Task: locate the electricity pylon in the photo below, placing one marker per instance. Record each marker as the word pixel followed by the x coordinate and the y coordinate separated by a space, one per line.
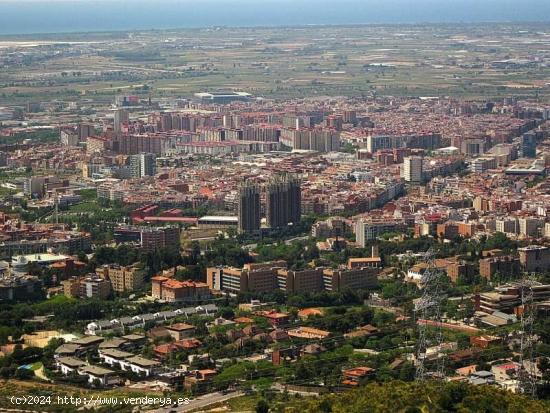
pixel 428 318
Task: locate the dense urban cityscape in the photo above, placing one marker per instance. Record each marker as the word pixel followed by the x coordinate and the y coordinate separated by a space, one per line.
pixel 322 219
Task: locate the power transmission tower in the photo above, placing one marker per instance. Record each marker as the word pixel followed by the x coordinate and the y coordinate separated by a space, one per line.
pixel 526 374
pixel 428 319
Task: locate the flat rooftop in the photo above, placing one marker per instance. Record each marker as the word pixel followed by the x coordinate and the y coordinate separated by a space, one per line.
pixel 220 218
pixel 42 258
pixel 221 94
pixel 96 371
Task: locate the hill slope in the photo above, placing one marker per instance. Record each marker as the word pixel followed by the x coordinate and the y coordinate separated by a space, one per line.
pixel 401 397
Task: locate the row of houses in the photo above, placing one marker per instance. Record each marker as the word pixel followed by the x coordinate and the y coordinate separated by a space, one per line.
pixel 116 357
pixel 124 324
pixel 95 374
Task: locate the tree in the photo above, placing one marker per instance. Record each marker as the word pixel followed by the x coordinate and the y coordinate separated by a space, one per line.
pixel 397 396
pixel 24 374
pixel 463 340
pixel 325 406
pixel 53 344
pixel 468 309
pixel 452 309
pixel 499 241
pixel 384 373
pixel 7 372
pixel 302 372
pixel 262 406
pixel 407 372
pixel 226 312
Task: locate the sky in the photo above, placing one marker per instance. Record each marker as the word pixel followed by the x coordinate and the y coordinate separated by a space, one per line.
pixel 51 16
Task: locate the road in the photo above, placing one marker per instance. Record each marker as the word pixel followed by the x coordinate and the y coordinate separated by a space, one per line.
pixel 200 402
pixel 290 241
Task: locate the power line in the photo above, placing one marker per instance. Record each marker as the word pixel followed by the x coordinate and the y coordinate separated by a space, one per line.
pixel 526 374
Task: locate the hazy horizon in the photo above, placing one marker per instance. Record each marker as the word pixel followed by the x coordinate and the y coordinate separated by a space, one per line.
pixel 63 16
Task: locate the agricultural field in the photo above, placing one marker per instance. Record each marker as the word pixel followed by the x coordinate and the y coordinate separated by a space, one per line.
pixel 464 61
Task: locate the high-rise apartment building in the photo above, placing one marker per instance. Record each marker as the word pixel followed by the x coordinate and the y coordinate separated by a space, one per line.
pixel 529 227
pixel 94 287
pixel 84 130
pixel 160 238
pixel 68 138
pixel 147 164
pixel 413 169
pixel 535 258
pixel 318 139
pixel 528 145
pixel 143 164
pixel 425 141
pixel 473 147
pixel 122 279
pixel 480 165
pixel 505 265
pixel 133 144
pixel 367 230
pixel 283 201
pixel 121 117
pixel 507 225
pixel 249 208
pixel 4 157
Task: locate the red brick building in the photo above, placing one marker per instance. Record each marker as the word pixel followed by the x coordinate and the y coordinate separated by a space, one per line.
pixel 171 290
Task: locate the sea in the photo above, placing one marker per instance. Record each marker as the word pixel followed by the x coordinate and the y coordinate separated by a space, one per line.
pixel 18 17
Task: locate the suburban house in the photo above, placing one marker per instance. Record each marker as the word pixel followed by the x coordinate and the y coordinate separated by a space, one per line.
pixel 114 357
pixel 199 379
pixel 88 342
pixel 308 332
pixel 140 365
pixel 356 375
pixel 69 365
pixel 104 376
pixel 180 331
